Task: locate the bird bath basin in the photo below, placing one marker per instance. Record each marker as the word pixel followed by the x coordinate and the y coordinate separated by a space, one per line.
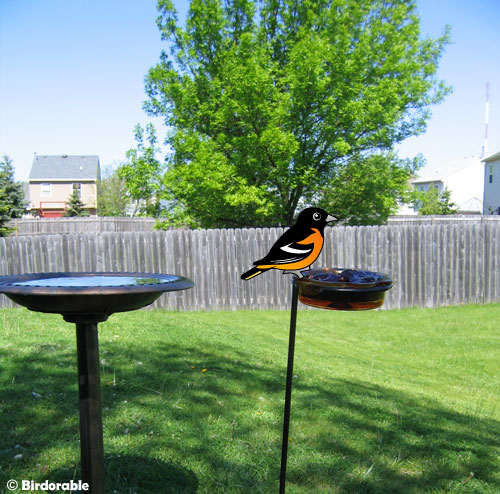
pixel 87 299
pixel 88 295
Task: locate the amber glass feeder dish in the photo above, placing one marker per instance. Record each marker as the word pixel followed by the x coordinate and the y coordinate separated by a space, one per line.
pixel 343 289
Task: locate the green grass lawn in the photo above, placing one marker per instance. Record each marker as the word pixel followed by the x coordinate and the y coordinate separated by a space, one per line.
pixel 383 401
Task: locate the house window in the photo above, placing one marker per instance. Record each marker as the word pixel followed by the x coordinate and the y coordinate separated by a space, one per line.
pixel 46 190
pixel 491 179
pixel 78 187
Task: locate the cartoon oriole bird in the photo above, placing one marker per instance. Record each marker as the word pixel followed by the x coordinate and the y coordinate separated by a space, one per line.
pixel 298 247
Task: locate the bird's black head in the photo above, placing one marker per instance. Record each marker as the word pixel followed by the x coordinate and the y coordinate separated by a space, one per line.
pixel 314 217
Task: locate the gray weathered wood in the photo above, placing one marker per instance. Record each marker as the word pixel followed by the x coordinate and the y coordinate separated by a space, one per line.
pixel 445 263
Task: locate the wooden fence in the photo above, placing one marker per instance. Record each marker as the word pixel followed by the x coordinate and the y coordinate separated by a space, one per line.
pixel 54 226
pixel 442 219
pixel 431 265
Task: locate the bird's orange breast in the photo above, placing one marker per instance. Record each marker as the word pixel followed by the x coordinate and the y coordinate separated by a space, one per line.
pixel 317 240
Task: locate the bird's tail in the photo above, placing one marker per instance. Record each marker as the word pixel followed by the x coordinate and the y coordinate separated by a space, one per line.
pixel 251 273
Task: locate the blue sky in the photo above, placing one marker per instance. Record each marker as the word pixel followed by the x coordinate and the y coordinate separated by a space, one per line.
pixel 71 77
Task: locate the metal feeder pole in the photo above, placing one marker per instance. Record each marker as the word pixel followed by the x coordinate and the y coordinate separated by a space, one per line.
pixel 288 392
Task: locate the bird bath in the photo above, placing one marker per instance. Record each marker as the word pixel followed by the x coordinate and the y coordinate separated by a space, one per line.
pixel 87 299
pixel 327 288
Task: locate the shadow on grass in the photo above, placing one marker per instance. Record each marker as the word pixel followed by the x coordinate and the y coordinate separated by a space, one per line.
pixel 132 473
pixel 167 425
pixel 383 440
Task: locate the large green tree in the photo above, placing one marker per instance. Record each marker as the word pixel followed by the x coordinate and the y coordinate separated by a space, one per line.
pixel 267 101
pixel 366 191
pixel 142 173
pixel 12 199
pixel 111 194
pixel 433 202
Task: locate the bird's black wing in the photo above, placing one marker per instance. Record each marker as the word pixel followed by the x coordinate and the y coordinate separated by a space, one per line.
pixel 287 249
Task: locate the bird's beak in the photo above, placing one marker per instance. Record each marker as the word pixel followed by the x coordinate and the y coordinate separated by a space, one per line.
pixel 330 218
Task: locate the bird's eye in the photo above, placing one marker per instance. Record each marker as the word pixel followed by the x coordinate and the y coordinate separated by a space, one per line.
pixel 316 216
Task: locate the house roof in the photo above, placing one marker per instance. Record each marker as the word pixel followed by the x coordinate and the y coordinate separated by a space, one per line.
pixel 492 157
pixel 436 173
pixel 64 167
pixel 473 204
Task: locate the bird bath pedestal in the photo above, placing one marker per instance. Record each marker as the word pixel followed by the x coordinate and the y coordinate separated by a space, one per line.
pixel 334 289
pixel 87 299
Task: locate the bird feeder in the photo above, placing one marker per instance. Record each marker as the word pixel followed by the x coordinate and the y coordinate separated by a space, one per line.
pixel 334 289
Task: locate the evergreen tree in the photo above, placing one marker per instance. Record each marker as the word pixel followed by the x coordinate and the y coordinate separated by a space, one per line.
pixel 12 200
pixel 76 205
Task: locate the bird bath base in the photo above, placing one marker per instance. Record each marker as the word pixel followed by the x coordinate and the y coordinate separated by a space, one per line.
pixel 87 299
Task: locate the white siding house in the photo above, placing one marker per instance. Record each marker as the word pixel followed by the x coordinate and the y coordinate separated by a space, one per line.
pixel 463 177
pixel 492 184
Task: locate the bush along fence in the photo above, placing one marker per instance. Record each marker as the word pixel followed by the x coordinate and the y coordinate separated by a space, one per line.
pixel 431 265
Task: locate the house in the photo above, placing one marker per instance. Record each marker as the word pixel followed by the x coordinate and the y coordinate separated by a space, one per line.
pixel 492 184
pixel 463 177
pixel 54 178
